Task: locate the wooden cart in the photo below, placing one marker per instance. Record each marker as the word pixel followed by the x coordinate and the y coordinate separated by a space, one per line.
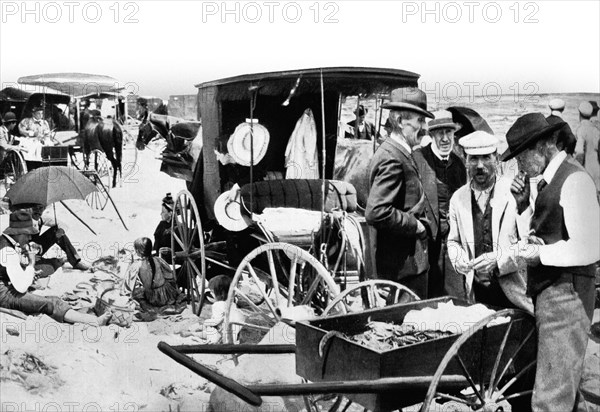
pixel 485 368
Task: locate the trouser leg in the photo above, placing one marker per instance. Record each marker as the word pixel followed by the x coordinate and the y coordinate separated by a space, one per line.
pixel 53 236
pixel 562 324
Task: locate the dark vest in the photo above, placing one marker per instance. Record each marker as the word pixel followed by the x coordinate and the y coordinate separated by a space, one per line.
pixel 482 231
pixel 549 224
pixel 4 242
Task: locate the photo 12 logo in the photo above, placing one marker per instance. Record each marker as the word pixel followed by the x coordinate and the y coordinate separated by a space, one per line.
pixel 68 11
pixel 269 12
pixel 469 11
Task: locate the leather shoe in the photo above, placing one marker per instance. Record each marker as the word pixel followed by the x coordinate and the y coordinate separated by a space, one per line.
pixel 81 265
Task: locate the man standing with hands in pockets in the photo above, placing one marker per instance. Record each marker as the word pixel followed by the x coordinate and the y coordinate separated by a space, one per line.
pixel 561 251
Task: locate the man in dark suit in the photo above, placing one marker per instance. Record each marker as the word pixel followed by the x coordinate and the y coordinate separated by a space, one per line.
pixel 442 173
pixel 560 255
pixel 397 208
pixel 360 128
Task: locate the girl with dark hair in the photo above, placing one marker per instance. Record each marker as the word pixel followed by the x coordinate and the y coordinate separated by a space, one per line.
pixel 150 278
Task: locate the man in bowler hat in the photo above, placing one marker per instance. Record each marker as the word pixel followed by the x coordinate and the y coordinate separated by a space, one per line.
pixel 397 208
pixel 561 252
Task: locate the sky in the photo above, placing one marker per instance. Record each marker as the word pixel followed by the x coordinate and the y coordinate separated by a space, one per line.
pixel 163 48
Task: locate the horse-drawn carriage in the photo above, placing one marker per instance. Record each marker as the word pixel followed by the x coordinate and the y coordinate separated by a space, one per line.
pixel 302 238
pixel 101 159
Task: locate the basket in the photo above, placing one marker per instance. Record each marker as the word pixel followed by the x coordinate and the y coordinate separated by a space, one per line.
pixel 121 315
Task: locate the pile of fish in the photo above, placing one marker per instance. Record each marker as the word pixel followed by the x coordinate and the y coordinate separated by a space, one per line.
pixel 383 336
pixel 423 325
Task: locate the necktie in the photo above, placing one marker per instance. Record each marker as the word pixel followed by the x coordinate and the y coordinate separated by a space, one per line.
pixel 541 185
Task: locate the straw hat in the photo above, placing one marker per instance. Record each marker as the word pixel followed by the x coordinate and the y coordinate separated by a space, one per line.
pixel 238 144
pixel 228 211
pixel 442 120
pixel 479 143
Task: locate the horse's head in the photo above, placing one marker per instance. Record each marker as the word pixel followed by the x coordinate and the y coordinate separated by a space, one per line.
pixel 145 134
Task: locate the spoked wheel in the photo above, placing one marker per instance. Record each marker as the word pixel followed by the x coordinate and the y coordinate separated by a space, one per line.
pixel 13 167
pixel 307 282
pixel 102 166
pixel 498 361
pixel 97 200
pixel 187 242
pixel 368 295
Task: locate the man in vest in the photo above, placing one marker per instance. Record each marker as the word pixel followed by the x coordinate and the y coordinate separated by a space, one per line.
pixel 560 253
pixel 442 173
pixel 483 226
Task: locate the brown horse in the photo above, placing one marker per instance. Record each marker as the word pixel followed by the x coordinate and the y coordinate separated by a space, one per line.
pixel 106 136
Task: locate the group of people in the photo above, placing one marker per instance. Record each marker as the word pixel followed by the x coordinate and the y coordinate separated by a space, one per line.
pixel 531 241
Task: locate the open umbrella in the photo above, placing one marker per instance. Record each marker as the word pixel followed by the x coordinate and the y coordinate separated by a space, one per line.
pixel 51 184
pixel 47 185
pixel 469 119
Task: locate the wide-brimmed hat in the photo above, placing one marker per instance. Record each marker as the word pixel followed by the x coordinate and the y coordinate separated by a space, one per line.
pixel 479 143
pixel 228 211
pixel 442 120
pixel 239 144
pixel 21 223
pixel 408 98
pixel 9 117
pixel 527 130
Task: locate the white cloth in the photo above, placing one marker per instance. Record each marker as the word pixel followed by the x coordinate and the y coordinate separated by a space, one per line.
pixel 582 219
pixel 301 160
pixel 34 149
pixel 21 278
pixel 586 149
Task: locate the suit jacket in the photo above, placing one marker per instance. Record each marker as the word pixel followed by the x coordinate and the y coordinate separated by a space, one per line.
pixel 424 158
pixel 369 130
pixel 461 243
pixel 396 201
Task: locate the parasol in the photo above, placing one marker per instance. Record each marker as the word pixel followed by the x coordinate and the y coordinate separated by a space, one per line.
pixel 74 84
pixel 51 184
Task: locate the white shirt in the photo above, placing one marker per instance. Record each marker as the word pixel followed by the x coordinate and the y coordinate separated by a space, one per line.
pixel 398 138
pixel 482 196
pixel 581 214
pixel 10 258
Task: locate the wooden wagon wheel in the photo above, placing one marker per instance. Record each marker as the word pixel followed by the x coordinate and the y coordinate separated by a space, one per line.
pixel 187 244
pixel 375 293
pixel 308 282
pixel 13 167
pixel 494 378
pixel 100 173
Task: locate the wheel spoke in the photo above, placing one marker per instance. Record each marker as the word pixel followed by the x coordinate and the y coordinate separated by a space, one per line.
pixel 492 386
pixel 514 379
pixel 292 285
pixel 514 395
pixel 482 348
pixel 265 296
pixel 273 277
pixel 311 291
pixel 513 357
pixel 456 399
pixel 178 241
pixel 253 305
pixel 469 378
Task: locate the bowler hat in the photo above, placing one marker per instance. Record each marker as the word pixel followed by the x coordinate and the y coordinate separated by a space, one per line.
pixel 21 223
pixel 9 117
pixel 526 131
pixel 408 98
